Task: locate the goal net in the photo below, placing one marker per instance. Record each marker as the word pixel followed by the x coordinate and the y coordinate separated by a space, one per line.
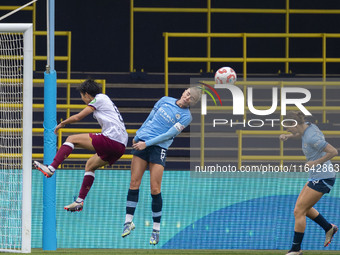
pixel 15 137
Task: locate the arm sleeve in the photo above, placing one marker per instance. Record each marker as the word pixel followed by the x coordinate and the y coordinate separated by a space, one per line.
pixel 172 132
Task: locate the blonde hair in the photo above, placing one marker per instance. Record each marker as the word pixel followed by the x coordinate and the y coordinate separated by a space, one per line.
pixel 196 95
pixel 298 116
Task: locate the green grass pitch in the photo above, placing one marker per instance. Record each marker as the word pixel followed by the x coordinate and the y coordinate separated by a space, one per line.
pixel 176 252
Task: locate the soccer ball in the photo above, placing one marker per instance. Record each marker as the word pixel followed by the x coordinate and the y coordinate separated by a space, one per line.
pixel 225 75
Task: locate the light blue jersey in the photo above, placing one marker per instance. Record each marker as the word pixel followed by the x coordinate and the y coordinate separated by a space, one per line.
pixel 165 122
pixel 313 144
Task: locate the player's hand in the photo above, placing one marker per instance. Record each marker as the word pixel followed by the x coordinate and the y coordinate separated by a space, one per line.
pixel 133 141
pixel 58 127
pixel 139 146
pixel 283 137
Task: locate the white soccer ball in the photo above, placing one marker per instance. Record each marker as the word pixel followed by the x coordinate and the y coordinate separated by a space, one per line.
pixel 225 75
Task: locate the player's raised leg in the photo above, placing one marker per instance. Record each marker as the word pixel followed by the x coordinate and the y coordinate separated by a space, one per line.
pixel 156 174
pixel 79 140
pixel 91 165
pixel 138 166
pixel 330 229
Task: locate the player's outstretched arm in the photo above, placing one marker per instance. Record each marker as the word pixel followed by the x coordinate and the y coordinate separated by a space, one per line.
pixel 285 137
pixel 75 118
pixel 172 132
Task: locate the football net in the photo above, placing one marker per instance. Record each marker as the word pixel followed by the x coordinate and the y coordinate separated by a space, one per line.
pixel 15 137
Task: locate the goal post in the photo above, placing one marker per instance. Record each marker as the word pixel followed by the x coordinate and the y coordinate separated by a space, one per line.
pixel 16 61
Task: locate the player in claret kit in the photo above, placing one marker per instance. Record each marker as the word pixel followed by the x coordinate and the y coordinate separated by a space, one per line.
pixel 321 178
pixel 108 145
pixel 167 120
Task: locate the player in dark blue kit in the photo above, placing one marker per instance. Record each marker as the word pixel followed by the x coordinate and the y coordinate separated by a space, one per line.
pixel 321 178
pixel 167 120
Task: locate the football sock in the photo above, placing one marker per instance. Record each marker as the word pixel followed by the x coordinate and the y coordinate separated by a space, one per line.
pixel 131 204
pixel 64 151
pixel 322 222
pixel 297 240
pixel 87 183
pixel 157 203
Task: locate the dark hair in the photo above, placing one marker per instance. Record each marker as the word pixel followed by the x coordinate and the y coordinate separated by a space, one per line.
pixel 296 115
pixel 90 86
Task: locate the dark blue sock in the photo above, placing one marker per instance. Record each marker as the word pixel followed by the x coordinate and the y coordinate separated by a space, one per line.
pixel 132 200
pixel 156 207
pixel 322 222
pixel 297 240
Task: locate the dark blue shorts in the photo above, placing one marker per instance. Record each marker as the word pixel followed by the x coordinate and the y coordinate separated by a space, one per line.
pixel 323 185
pixel 152 154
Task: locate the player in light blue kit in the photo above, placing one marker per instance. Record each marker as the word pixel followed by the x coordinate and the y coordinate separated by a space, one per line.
pixel 167 120
pixel 321 178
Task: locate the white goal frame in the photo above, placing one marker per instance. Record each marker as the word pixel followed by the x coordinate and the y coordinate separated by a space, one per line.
pixel 27 30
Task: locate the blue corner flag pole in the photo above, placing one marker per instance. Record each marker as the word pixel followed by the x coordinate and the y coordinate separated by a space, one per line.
pixel 50 139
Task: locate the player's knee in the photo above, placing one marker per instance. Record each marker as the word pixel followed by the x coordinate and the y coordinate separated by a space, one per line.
pixel 89 168
pixel 70 139
pixel 298 211
pixel 135 183
pixel 155 189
